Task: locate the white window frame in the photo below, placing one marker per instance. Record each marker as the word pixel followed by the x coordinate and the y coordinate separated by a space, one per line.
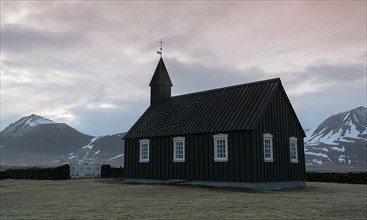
pixel 143 142
pixel 293 140
pixel 216 138
pixel 177 140
pixel 268 137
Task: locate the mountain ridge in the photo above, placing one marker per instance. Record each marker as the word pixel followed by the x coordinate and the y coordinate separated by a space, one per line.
pixel 338 142
pixel 34 140
pixel 345 125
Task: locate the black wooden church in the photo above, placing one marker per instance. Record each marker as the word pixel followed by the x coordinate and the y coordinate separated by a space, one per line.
pixel 245 135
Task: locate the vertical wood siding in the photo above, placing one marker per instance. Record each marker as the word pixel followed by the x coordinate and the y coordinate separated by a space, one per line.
pixel 279 121
pixel 199 159
pixel 159 94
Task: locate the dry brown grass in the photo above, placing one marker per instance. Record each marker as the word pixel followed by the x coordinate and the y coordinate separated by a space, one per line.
pixel 108 199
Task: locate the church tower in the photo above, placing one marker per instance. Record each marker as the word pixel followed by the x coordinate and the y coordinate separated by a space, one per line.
pixel 160 85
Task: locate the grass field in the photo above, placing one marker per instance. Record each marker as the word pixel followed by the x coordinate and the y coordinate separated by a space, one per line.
pixel 111 199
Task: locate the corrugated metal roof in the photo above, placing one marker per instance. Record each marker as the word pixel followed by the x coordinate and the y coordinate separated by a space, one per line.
pixel 219 110
pixel 161 76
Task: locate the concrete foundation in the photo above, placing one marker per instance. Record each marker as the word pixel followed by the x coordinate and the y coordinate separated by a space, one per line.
pixel 256 186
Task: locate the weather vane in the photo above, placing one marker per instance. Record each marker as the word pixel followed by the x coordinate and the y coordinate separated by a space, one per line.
pixel 160 51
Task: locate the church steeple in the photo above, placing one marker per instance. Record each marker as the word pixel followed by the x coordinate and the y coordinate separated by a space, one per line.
pixel 160 85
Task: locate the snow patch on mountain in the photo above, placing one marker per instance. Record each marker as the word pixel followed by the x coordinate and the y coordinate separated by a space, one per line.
pixel 72 157
pixel 342 149
pixel 38 120
pixel 113 158
pixel 317 161
pixel 28 121
pixel 316 154
pixel 91 144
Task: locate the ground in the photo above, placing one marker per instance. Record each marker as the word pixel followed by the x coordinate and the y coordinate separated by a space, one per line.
pixel 112 199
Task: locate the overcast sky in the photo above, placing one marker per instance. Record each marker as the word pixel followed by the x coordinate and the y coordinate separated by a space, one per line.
pixel 89 63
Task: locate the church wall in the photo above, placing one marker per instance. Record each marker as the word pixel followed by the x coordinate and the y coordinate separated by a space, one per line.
pixel 199 159
pixel 280 121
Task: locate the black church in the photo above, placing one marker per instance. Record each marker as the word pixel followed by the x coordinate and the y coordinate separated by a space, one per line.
pixel 246 135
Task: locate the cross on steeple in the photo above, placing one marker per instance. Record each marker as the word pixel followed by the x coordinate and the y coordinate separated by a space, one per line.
pixel 161 50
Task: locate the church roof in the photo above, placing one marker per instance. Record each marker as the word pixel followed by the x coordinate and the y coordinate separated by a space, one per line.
pixel 220 110
pixel 160 76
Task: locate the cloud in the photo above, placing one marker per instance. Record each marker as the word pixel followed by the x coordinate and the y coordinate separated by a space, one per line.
pixel 21 39
pixel 338 73
pixel 188 78
pixel 324 89
pixel 322 76
pixel 86 62
pixel 97 120
pixel 313 108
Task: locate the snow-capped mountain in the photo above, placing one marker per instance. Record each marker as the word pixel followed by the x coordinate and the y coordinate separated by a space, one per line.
pixel 25 124
pixel 35 141
pixel 339 142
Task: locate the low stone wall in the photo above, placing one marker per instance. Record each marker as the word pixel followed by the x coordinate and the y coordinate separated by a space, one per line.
pixel 63 172
pixel 355 178
pixel 56 173
pixel 111 172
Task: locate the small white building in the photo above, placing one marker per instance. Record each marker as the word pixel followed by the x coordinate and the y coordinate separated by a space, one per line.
pixel 85 166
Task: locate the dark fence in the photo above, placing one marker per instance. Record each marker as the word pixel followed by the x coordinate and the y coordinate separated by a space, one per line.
pixel 56 173
pixel 355 178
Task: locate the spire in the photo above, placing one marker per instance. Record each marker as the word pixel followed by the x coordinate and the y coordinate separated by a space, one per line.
pixel 160 85
pixel 160 76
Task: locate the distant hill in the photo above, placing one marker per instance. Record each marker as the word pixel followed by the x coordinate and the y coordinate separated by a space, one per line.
pixel 37 141
pixel 108 150
pixel 339 142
